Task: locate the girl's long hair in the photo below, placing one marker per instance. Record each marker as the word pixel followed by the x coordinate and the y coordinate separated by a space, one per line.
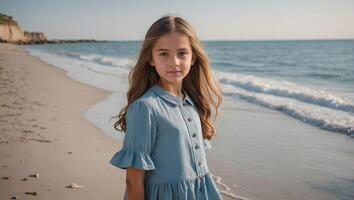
pixel 200 84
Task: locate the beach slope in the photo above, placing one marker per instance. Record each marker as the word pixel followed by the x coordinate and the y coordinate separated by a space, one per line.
pixel 46 144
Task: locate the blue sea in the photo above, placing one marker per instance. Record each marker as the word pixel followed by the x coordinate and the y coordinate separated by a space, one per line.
pixel 308 81
pixel 312 81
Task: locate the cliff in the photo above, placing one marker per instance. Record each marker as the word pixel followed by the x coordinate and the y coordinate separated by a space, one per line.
pixel 10 32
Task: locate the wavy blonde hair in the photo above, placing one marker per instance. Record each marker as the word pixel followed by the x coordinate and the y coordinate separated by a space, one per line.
pixel 200 85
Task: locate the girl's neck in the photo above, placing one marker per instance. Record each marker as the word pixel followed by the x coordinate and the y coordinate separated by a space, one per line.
pixel 175 89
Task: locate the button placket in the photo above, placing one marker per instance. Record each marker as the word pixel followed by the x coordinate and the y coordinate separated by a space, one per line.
pixel 197 149
pixel 194 140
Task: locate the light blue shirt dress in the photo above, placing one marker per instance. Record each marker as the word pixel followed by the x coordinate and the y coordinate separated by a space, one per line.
pixel 164 137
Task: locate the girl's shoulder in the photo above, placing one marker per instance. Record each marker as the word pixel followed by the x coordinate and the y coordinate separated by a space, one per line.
pixel 145 102
pixel 148 98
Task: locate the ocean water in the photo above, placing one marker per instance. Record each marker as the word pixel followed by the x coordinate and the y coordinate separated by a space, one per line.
pixel 307 82
pixel 312 81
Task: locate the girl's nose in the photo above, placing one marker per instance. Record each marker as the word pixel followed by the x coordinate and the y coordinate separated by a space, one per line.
pixel 175 61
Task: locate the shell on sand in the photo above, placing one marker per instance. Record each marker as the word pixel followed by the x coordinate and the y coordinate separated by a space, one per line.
pixel 36 175
pixel 75 186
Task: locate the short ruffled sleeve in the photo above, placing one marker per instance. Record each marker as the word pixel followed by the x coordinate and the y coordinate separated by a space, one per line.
pixel 139 138
pixel 207 144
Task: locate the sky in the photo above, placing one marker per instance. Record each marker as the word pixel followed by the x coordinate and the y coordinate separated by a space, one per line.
pixel 212 20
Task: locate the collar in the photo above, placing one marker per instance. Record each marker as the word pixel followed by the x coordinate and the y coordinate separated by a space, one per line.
pixel 170 97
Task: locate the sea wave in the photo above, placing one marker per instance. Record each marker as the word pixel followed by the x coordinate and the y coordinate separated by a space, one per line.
pixel 286 89
pixel 316 107
pixel 121 62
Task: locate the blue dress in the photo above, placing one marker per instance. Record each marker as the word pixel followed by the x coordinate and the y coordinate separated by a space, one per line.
pixel 164 137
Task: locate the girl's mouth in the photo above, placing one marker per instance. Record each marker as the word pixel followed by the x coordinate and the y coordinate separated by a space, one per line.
pixel 175 71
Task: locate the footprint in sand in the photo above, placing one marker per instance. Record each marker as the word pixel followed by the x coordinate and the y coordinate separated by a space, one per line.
pixel 32 193
pixel 5 106
pixel 41 140
pixel 27 131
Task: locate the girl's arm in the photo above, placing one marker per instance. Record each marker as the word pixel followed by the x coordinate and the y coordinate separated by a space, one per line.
pixel 135 183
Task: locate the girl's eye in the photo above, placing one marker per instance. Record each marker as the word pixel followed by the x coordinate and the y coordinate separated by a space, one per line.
pixel 182 53
pixel 163 54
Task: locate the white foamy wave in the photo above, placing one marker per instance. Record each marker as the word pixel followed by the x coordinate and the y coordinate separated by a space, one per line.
pixel 87 61
pixel 320 116
pixel 286 89
pixel 226 189
pixel 91 73
pixel 106 60
pixel 121 62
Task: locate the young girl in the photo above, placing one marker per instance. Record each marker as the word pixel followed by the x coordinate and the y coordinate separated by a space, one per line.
pixel 167 120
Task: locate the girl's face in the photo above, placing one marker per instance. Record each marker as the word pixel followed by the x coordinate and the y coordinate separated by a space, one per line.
pixel 172 58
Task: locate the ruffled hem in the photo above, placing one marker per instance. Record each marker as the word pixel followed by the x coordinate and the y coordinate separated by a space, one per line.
pixel 126 158
pixel 202 187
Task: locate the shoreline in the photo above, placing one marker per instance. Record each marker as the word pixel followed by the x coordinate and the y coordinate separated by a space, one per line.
pixel 258 151
pixel 43 131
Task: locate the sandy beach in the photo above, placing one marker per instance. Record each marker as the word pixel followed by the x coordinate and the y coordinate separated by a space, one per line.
pixel 43 132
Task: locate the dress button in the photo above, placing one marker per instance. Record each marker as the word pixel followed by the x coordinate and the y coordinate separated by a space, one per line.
pixel 196 147
pixel 199 163
pixel 194 135
pixel 189 119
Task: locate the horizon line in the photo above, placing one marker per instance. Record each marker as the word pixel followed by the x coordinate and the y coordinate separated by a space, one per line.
pixel 217 40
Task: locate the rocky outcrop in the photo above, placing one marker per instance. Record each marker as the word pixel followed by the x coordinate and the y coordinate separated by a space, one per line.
pixel 35 37
pixel 10 32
